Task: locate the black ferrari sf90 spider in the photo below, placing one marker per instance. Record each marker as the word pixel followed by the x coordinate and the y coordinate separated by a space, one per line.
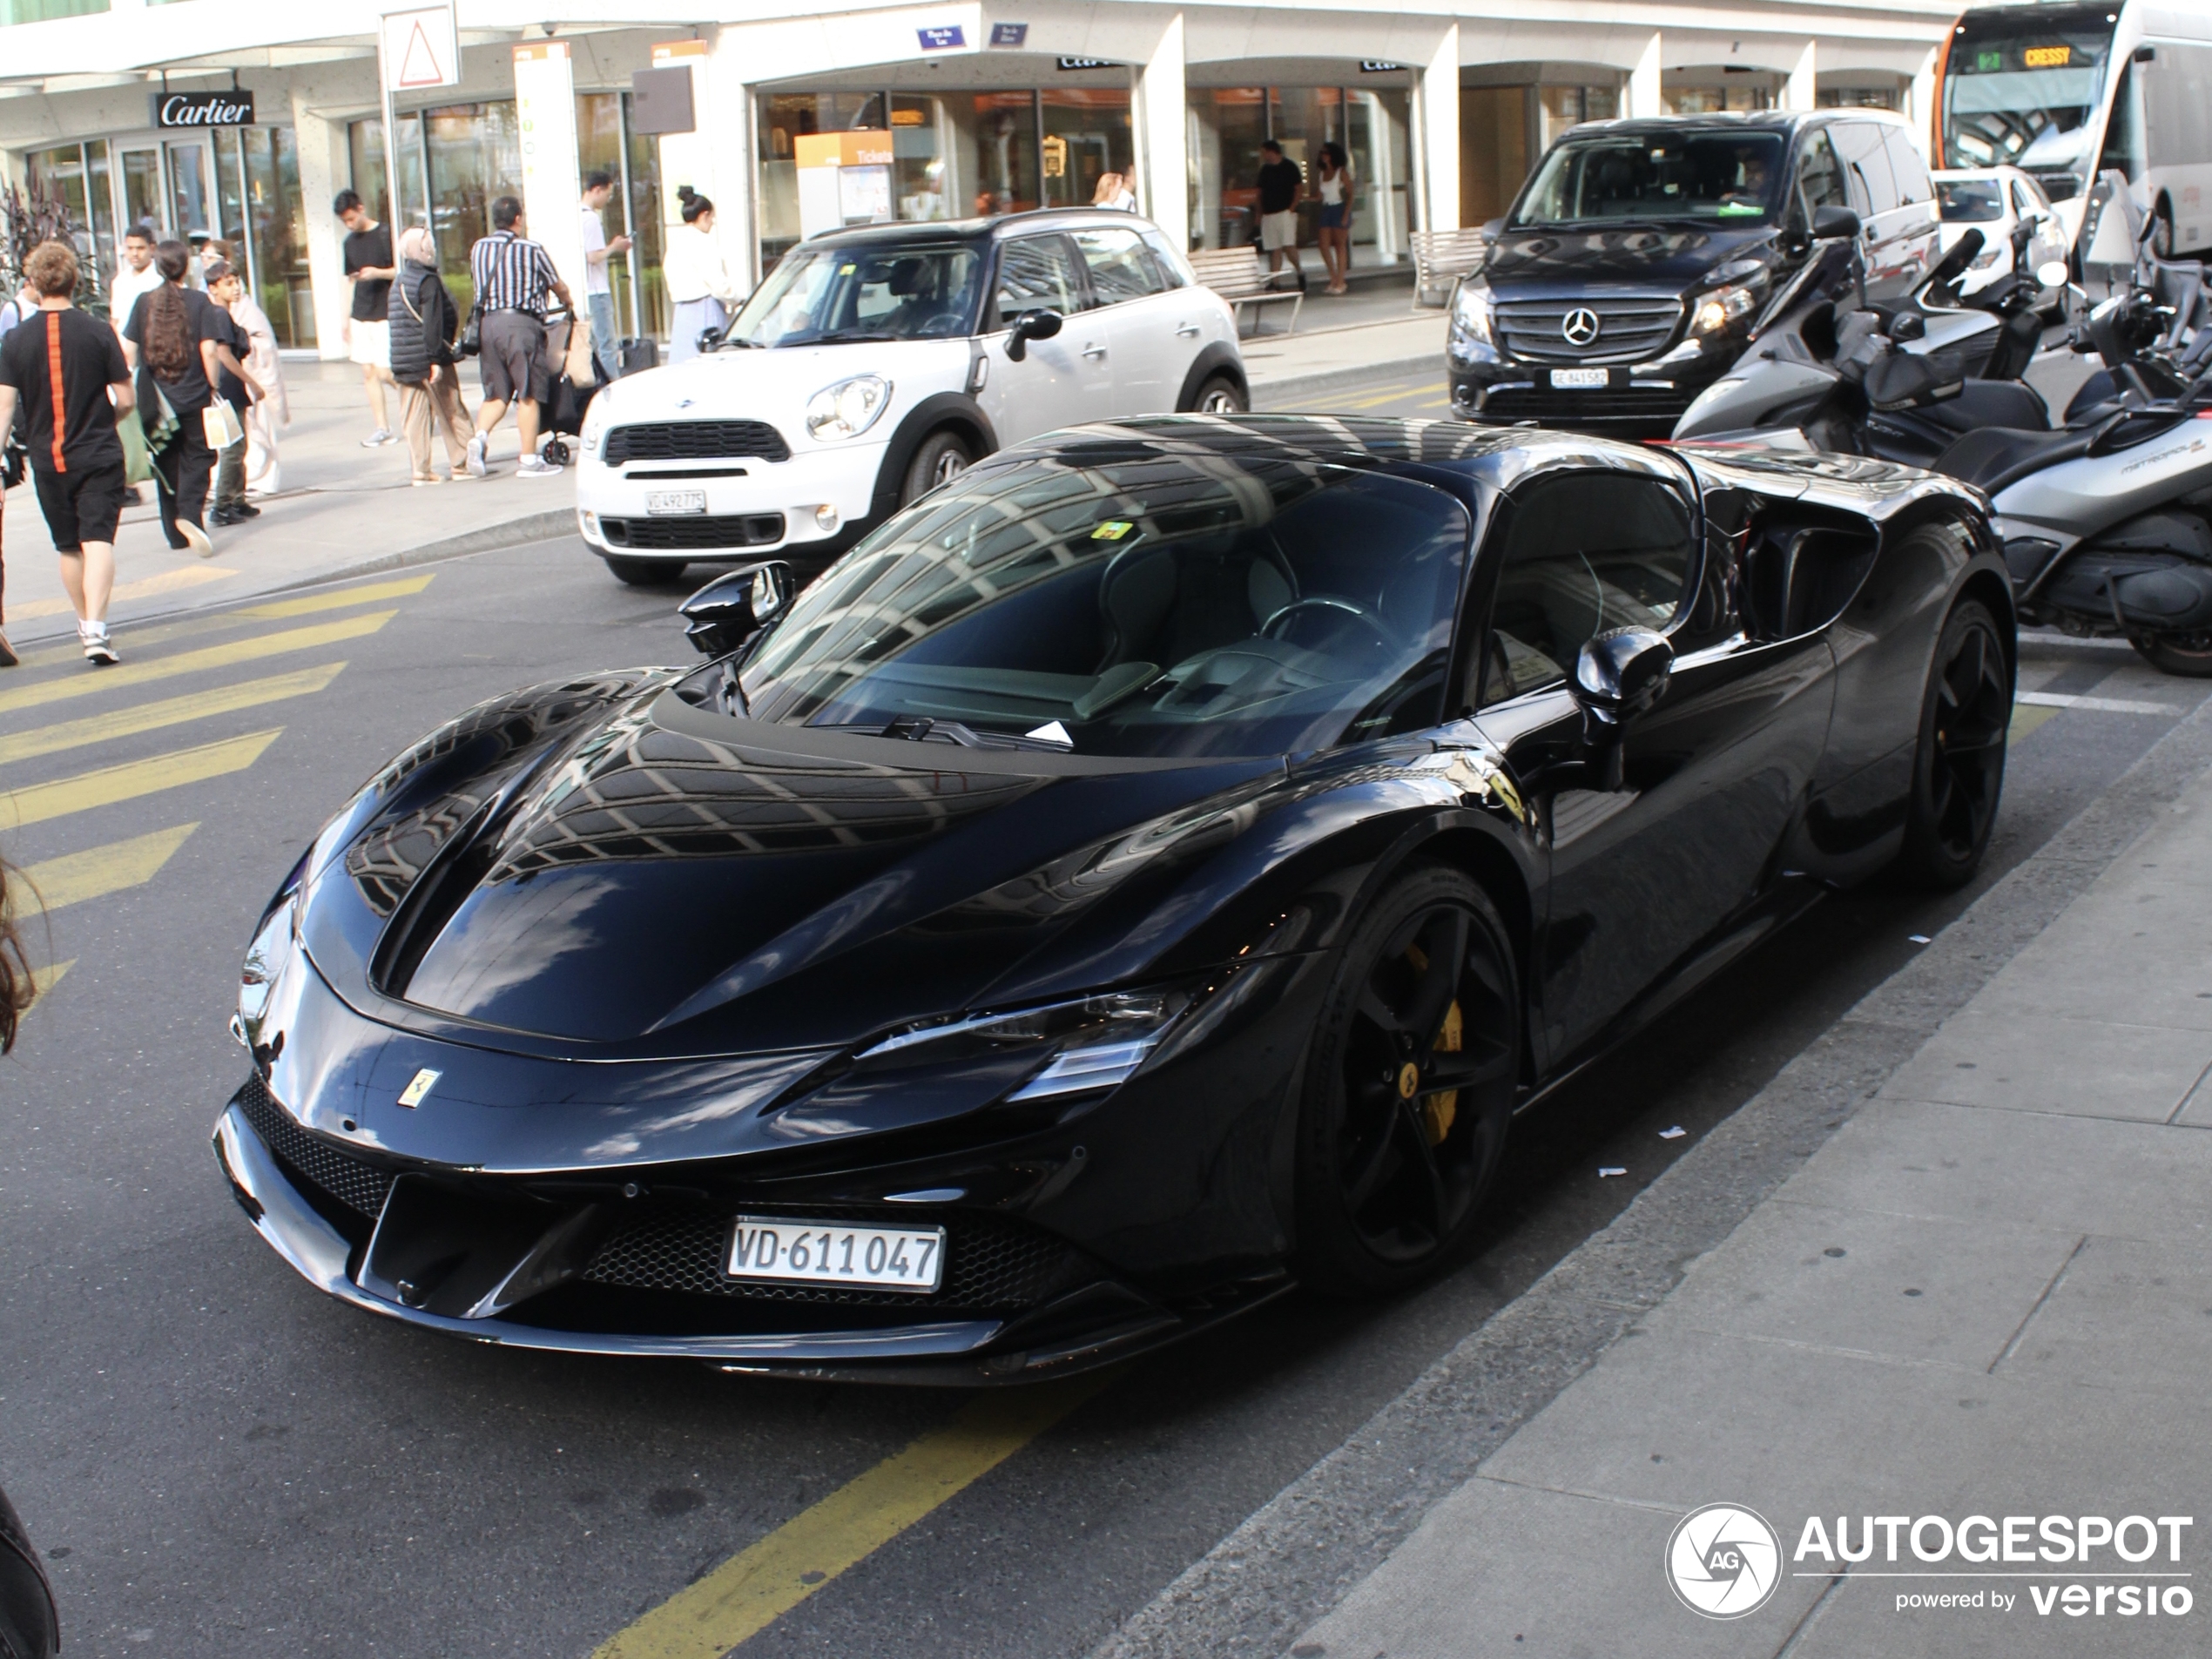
pixel 1151 871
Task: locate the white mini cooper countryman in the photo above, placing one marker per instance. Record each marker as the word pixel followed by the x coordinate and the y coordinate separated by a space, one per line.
pixel 875 363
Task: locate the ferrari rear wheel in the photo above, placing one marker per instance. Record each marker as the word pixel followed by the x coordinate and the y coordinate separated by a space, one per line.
pixel 1959 767
pixel 1410 1087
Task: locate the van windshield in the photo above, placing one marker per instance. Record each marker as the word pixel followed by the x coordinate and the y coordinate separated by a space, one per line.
pixel 882 291
pixel 1728 176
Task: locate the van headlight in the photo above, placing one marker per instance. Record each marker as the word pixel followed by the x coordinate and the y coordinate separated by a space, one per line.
pixel 1471 313
pixel 1723 306
pixel 847 408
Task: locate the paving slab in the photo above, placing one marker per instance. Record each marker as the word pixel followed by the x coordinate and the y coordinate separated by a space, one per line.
pixel 2040 1063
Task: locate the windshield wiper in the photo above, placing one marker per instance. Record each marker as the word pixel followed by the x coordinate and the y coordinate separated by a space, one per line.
pixel 851 337
pixel 923 729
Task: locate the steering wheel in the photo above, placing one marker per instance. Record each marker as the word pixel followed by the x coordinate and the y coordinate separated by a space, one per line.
pixel 1272 629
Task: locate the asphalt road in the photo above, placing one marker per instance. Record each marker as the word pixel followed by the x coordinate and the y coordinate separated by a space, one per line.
pixel 218 1461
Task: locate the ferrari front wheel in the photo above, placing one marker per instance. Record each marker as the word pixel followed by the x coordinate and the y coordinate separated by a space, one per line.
pixel 1959 764
pixel 1410 1086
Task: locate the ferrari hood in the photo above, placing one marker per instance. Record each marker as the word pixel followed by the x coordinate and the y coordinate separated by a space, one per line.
pixel 666 877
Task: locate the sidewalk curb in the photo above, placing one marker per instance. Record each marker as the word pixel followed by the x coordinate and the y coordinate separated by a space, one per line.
pixel 513 532
pixel 1297 1556
pixel 1303 386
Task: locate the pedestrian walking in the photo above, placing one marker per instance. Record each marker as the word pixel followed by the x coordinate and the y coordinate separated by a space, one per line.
pixel 700 288
pixel 370 267
pixel 1281 187
pixel 513 276
pixel 1114 192
pixel 599 255
pixel 425 323
pixel 239 386
pixel 177 341
pixel 19 309
pixel 69 375
pixel 271 410
pixel 1334 183
pixel 134 276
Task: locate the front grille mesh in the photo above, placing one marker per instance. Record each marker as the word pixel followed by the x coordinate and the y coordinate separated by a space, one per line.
pixel 360 1187
pixel 1629 330
pixel 1642 404
pixel 991 1262
pixel 696 441
pixel 695 531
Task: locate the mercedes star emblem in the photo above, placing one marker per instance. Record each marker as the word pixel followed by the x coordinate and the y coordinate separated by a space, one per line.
pixel 1579 326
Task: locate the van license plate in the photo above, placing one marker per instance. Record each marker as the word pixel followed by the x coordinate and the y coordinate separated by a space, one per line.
pixel 662 502
pixel 1577 380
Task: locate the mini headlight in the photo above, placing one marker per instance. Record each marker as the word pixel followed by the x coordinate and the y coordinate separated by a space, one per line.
pixel 1721 307
pixel 847 408
pixel 1471 312
pixel 595 416
pixel 1093 1043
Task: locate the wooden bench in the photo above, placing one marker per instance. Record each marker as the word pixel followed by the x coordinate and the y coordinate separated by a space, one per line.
pixel 1442 257
pixel 1237 275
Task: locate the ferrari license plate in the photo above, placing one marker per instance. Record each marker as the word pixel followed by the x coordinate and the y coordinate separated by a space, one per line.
pixel 1577 380
pixel 660 503
pixel 785 1250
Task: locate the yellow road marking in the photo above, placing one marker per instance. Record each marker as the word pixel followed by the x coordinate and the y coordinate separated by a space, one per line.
pixel 37 803
pixel 1377 399
pixel 753 1588
pixel 186 575
pixel 98 871
pixel 193 662
pixel 175 710
pixel 338 598
pixel 44 980
pixel 2026 718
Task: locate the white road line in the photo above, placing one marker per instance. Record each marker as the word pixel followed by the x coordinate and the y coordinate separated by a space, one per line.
pixel 2072 642
pixel 2095 704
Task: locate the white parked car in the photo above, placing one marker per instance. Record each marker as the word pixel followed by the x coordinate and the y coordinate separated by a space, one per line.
pixel 1993 201
pixel 875 363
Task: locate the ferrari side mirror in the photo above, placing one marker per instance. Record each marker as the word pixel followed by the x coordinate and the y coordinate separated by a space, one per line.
pixel 1617 677
pixel 729 610
pixel 1035 324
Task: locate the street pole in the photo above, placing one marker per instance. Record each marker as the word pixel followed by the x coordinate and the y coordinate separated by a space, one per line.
pixel 394 215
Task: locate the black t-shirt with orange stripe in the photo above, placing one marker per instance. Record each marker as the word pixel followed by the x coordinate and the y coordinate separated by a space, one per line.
pixel 69 359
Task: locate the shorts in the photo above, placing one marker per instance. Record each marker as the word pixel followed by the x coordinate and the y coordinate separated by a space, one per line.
pixel 513 360
pixel 82 506
pixel 1332 216
pixel 370 344
pixel 1278 230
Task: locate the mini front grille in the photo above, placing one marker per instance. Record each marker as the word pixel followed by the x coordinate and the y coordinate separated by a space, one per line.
pixel 696 441
pixel 696 532
pixel 992 1263
pixel 360 1187
pixel 1628 330
pixel 1643 405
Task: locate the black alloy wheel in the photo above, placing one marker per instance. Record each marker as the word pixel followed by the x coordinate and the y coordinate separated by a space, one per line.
pixel 941 457
pixel 2189 655
pixel 644 573
pixel 1410 1089
pixel 1959 767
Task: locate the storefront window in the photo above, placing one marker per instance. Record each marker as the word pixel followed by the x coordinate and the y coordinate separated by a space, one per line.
pixel 1560 107
pixel 920 158
pixel 1858 98
pixel 141 188
pixel 470 155
pixel 1086 134
pixel 1716 100
pixel 996 163
pixel 43 11
pixel 605 144
pixel 58 175
pixel 1379 148
pixel 1229 124
pixel 279 234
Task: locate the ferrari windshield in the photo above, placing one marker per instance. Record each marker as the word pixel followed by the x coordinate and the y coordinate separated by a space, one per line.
pixel 878 290
pixel 1708 174
pixel 1123 598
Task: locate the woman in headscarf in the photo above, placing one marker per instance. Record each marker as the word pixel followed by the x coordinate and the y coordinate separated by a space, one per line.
pixel 425 323
pixel 699 284
pixel 178 343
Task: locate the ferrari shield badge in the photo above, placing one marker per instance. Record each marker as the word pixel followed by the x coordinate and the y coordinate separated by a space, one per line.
pixel 418 1088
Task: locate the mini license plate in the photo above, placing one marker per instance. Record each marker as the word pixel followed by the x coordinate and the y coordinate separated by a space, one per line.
pixel 1563 379
pixel 785 1250
pixel 660 503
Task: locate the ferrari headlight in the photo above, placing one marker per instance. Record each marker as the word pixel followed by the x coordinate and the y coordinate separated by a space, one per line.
pixel 1093 1043
pixel 848 408
pixel 266 958
pixel 1471 312
pixel 1723 306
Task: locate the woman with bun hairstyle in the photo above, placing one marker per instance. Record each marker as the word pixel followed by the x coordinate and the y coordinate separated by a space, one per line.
pixel 699 284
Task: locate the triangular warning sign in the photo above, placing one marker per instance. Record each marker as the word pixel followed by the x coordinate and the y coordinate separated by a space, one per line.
pixel 418 63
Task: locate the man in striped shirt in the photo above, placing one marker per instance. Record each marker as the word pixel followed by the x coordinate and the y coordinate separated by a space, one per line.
pixel 513 276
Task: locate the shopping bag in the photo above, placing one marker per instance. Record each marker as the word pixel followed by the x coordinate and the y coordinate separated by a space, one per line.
pixel 219 421
pixel 579 368
pixel 137 462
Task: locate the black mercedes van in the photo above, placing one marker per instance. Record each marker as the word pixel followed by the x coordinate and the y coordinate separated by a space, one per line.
pixel 1640 257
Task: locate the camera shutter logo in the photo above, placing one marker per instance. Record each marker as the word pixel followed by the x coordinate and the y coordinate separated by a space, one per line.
pixel 1724 1561
pixel 1579 326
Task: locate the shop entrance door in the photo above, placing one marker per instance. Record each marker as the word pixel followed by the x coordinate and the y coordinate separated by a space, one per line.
pixel 141 188
pixel 191 203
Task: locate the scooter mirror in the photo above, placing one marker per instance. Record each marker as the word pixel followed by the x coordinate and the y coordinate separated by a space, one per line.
pixel 2053 273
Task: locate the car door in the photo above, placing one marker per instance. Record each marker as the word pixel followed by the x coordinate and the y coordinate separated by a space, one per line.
pixel 1641 878
pixel 1055 383
pixel 1873 187
pixel 1126 290
pixel 1919 223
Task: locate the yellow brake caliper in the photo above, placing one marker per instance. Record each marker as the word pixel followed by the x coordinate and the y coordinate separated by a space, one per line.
pixel 1439 1111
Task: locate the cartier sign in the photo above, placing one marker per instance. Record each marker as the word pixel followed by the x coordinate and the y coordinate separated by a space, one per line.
pixel 231 108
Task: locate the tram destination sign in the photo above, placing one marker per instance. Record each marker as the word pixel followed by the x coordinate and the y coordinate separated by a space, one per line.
pixel 231 107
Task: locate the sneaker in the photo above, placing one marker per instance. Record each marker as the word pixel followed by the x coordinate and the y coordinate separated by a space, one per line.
pixel 423 483
pixel 246 509
pixel 195 539
pixel 477 447
pixel 537 467
pixel 223 517
pixel 376 439
pixel 97 650
pixel 8 658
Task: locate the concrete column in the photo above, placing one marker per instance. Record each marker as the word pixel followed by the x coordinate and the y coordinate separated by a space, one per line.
pixel 1163 181
pixel 1643 82
pixel 1920 110
pixel 727 134
pixel 1798 92
pixel 323 161
pixel 1437 134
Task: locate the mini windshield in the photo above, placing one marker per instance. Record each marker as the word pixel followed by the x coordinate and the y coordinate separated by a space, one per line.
pixel 882 291
pixel 1971 201
pixel 1124 598
pixel 1697 175
pixel 2026 87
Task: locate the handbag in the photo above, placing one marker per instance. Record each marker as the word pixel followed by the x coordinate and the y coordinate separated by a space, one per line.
pixel 138 460
pixel 472 332
pixel 219 421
